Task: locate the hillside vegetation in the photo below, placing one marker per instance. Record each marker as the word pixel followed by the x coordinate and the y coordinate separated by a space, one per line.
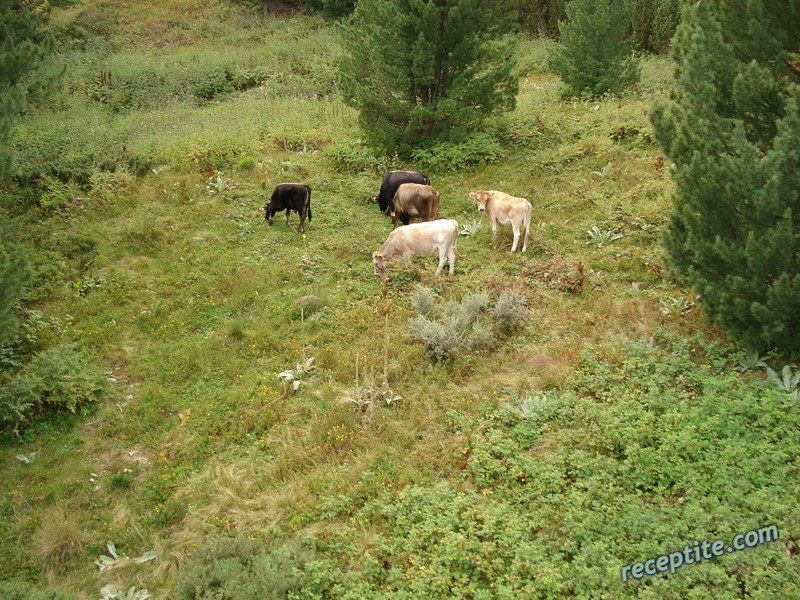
pixel 614 426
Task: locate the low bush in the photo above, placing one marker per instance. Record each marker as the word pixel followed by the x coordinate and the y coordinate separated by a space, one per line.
pixel 107 186
pixel 56 150
pixel 60 377
pixel 19 590
pixel 476 149
pixel 510 311
pixel 15 275
pixel 462 327
pixel 354 155
pixel 238 568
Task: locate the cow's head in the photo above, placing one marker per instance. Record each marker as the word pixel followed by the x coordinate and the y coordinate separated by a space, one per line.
pixel 383 203
pixel 380 263
pixel 481 197
pixel 268 212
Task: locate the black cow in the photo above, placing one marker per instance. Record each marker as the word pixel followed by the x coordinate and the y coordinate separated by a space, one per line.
pixel 391 181
pixel 289 197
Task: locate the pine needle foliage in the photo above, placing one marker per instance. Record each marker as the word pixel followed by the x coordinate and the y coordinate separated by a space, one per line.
pixel 594 57
pixel 23 46
pixel 732 128
pixel 420 71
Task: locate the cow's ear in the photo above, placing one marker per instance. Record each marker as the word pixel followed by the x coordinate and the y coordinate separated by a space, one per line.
pixel 473 195
pixel 377 255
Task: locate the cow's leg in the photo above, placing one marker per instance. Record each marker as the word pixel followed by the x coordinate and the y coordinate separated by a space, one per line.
pixel 515 227
pixel 527 226
pixel 494 227
pixel 442 259
pixel 302 228
pixel 451 258
pixel 287 216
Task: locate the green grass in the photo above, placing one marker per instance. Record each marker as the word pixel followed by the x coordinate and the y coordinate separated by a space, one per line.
pixel 195 313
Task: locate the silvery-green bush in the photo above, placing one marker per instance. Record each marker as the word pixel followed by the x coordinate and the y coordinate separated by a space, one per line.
pixel 458 327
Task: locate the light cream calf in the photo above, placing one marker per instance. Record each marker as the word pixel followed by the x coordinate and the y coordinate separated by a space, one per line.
pixel 419 238
pixel 506 210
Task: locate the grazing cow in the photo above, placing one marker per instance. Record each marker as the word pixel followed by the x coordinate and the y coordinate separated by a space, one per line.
pixel 419 238
pixel 415 200
pixel 506 210
pixel 393 180
pixel 289 197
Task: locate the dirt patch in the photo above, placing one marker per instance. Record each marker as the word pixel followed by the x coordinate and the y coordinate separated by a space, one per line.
pixel 121 457
pixel 537 362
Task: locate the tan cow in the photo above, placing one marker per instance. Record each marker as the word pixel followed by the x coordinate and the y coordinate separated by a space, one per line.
pixel 419 238
pixel 414 200
pixel 506 210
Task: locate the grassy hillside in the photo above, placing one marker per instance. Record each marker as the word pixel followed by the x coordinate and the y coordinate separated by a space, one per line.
pixel 616 426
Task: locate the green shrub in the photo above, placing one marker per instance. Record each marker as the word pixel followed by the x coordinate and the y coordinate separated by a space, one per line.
pixel 15 275
pixel 19 590
pixel 57 195
pixel 56 149
pixel 107 186
pixel 441 340
pixel 247 163
pixel 215 82
pixel 331 8
pixel 475 149
pixel 60 377
pixel 352 154
pixel 241 569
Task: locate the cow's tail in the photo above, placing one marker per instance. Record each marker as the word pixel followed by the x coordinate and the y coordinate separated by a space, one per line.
pixel 433 208
pixel 308 201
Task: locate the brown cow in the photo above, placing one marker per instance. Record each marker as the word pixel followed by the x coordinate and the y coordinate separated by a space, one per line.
pixel 414 200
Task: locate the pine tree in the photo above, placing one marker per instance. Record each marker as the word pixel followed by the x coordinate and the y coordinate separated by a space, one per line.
pixel 22 48
pixel 540 16
pixel 425 70
pixel 594 57
pixel 653 23
pixel 732 128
